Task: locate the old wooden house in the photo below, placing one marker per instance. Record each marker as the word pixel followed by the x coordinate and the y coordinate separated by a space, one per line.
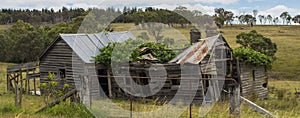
pixel 198 74
pixel 69 57
pixel 202 72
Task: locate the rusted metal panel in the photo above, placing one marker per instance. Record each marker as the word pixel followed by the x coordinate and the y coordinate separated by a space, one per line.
pixel 197 52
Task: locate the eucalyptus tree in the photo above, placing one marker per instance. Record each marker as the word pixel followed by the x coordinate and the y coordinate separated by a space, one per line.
pixel 276 20
pixel 284 16
pixel 270 18
pixel 241 19
pixel 296 19
pixel 261 18
pixel 254 15
pixel 288 19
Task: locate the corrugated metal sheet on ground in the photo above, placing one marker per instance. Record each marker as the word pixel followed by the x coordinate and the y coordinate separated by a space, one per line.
pixel 87 45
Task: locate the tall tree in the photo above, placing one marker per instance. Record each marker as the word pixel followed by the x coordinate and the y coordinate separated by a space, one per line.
pixel 228 16
pixel 270 18
pixel 155 29
pixel 254 15
pixel 288 19
pixel 275 20
pixel 221 16
pixel 257 42
pixel 283 16
pixel 241 19
pixel 261 18
pixel 296 19
pixel 25 43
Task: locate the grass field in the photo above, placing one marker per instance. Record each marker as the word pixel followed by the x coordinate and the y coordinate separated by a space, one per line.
pixel 282 84
pixel 3 27
pixel 287 38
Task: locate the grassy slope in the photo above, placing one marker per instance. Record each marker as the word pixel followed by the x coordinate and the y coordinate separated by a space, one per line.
pixel 287 38
pixel 3 27
pixel 288 42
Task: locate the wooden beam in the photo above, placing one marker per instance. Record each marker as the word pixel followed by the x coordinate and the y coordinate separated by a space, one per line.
pixel 57 101
pixel 258 108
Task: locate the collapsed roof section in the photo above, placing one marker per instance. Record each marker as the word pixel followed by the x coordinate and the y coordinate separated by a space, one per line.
pixel 215 46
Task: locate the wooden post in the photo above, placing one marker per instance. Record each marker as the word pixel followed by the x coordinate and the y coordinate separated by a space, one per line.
pixel 234 100
pixel 191 99
pixel 20 87
pixel 90 90
pixel 131 109
pixel 27 81
pixel 8 83
pixel 34 83
pixel 109 85
pixel 85 91
pixel 18 97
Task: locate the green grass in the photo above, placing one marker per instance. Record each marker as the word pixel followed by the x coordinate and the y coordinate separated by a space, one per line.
pixel 3 28
pixel 287 63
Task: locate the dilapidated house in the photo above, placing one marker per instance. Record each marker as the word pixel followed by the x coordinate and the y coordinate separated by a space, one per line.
pixel 200 73
pixel 69 57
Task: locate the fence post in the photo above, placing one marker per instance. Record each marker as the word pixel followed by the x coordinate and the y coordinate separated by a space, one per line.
pixel 109 85
pixel 18 99
pixel 234 100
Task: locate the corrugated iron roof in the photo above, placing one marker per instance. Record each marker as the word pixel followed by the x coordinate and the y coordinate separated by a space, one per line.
pixel 87 45
pixel 196 53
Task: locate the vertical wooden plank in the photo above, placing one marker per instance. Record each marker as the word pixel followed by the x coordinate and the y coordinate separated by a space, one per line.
pixel 85 91
pixel 21 86
pixel 90 90
pixel 16 92
pixel 8 83
pixel 234 107
pixel 34 83
pixel 109 85
pixel 27 81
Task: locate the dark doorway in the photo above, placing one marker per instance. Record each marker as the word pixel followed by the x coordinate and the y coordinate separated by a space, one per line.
pixel 103 81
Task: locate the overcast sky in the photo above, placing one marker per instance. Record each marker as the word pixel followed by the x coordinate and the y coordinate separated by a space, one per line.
pixel 273 7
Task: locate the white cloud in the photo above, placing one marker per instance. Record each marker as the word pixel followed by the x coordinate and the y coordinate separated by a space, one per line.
pixel 277 10
pixel 38 4
pixel 255 0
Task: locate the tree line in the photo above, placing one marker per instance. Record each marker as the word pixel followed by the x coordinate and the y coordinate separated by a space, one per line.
pixel 38 17
pixel 23 42
pixel 181 15
pixel 222 16
pixel 32 31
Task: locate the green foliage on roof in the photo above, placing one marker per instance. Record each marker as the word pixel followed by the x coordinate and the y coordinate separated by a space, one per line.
pixel 130 51
pixel 252 57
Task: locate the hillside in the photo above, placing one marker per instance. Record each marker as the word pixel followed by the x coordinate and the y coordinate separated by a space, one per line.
pixel 287 38
pixel 287 63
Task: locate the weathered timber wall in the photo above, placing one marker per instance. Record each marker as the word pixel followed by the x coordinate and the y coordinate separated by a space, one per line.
pixel 253 81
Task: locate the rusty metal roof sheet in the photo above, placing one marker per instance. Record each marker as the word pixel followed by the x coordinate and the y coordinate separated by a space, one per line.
pixel 196 53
